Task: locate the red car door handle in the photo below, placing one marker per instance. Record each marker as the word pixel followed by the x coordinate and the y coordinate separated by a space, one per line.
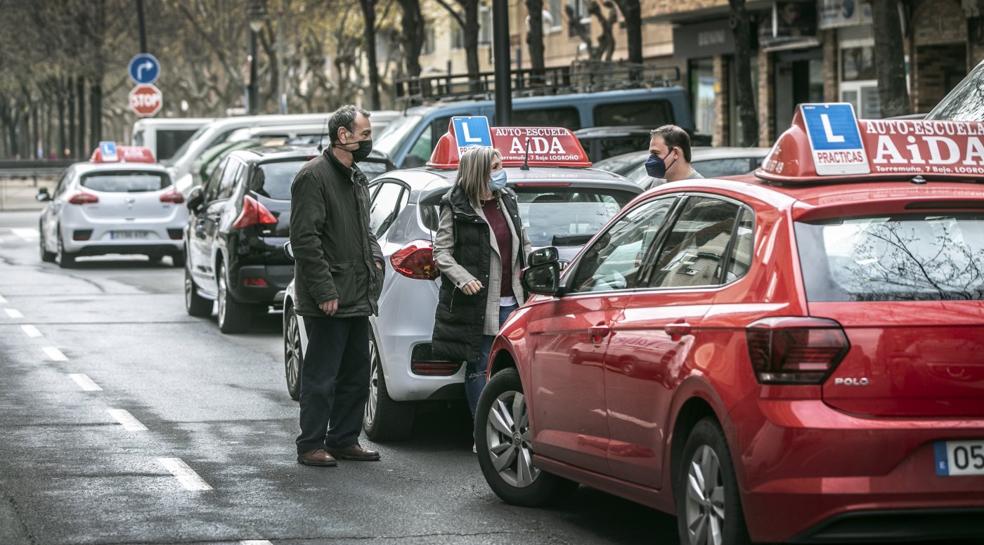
pixel 677 329
pixel 599 332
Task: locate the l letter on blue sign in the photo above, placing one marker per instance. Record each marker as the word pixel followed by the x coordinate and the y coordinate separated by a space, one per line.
pixel 835 140
pixel 473 131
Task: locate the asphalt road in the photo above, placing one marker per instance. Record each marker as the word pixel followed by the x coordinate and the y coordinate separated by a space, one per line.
pixel 91 355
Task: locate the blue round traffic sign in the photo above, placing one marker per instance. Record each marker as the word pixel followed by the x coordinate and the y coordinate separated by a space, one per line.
pixel 144 68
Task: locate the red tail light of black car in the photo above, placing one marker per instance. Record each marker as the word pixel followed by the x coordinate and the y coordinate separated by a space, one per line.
pixel 416 260
pixel 253 213
pixel 795 350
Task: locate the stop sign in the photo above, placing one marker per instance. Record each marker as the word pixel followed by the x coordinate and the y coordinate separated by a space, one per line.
pixel 146 100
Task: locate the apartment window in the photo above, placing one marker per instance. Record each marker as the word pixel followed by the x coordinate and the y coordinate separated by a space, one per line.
pixel 429 40
pixel 457 36
pixel 556 9
pixel 485 25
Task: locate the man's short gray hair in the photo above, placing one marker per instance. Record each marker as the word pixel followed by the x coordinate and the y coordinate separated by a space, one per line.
pixel 343 117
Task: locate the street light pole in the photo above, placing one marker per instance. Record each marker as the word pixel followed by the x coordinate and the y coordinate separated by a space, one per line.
pixel 503 83
pixel 256 13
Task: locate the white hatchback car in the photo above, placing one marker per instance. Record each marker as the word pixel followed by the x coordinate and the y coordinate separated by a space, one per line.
pixel 126 206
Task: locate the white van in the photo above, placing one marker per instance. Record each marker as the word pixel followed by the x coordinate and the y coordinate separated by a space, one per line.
pixel 221 130
pixel 164 136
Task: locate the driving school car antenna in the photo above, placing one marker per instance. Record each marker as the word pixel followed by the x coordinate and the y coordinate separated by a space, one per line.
pixel 526 158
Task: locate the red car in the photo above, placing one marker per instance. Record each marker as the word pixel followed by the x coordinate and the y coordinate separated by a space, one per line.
pixel 797 356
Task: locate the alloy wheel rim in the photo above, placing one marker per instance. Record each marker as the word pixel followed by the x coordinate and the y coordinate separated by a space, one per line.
pixel 293 345
pixel 373 401
pixel 705 498
pixel 188 287
pixel 509 440
pixel 222 297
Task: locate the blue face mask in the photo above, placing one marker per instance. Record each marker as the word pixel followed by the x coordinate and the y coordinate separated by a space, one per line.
pixel 656 167
pixel 498 180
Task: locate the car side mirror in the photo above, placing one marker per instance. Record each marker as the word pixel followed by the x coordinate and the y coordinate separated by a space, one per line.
pixel 43 195
pixel 288 251
pixel 544 256
pixel 195 199
pixel 543 280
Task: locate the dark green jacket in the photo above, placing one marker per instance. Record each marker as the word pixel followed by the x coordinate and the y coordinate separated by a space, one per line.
pixel 335 253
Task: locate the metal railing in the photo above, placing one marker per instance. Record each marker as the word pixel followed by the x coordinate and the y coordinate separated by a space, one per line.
pixel 579 77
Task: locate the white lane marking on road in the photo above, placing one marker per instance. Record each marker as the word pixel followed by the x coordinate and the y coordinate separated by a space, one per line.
pixel 184 474
pixel 30 330
pixel 127 420
pixel 54 354
pixel 85 382
pixel 25 233
pixel 13 313
pixel 255 542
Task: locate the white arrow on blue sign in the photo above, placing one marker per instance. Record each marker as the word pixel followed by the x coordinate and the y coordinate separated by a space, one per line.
pixel 144 68
pixel 472 131
pixel 835 139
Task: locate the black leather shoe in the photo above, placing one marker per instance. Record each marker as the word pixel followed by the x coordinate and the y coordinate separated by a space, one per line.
pixel 318 457
pixel 354 453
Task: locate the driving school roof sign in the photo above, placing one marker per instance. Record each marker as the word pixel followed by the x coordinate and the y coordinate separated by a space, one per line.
pixel 535 146
pixel 817 148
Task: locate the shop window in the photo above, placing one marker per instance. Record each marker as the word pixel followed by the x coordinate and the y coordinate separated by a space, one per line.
pixel 702 92
pixel 858 63
pixel 858 79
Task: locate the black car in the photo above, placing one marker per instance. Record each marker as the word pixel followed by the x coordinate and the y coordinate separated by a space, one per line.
pixel 604 142
pixel 237 226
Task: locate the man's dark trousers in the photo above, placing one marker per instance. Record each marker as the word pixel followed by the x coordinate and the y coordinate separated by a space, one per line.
pixel 334 382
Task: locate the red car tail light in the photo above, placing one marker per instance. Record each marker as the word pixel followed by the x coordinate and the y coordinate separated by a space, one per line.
pixel 795 350
pixel 253 213
pixel 416 260
pixel 255 282
pixel 83 197
pixel 434 368
pixel 173 196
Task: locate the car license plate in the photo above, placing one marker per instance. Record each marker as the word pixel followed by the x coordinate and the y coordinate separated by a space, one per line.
pixel 127 235
pixel 958 458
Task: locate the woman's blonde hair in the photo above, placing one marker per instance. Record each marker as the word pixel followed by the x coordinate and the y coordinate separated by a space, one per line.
pixel 474 169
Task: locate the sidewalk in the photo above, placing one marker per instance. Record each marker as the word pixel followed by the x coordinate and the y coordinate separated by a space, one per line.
pixel 19 194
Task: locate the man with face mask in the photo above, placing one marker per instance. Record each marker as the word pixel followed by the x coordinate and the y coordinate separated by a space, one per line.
pixel 669 156
pixel 338 274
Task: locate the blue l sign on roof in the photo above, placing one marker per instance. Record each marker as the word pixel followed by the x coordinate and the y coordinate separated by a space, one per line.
pixel 835 139
pixel 472 131
pixel 107 149
pixel 144 68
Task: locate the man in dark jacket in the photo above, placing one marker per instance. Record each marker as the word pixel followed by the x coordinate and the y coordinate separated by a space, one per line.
pixel 338 274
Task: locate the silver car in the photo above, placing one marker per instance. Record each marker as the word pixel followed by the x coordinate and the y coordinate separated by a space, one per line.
pixel 560 207
pixel 112 208
pixel 709 162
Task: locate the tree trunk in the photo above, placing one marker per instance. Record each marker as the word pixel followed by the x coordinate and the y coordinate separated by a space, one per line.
pixel 471 29
pixel 747 116
pixel 95 112
pixel 81 148
pixel 62 142
pixel 534 40
pixel 632 12
pixel 889 58
pixel 413 35
pixel 73 141
pixel 369 36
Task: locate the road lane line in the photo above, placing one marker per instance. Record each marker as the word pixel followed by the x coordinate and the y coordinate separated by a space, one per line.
pixel 85 382
pixel 127 420
pixel 184 474
pixel 25 233
pixel 30 330
pixel 54 354
pixel 13 313
pixel 255 542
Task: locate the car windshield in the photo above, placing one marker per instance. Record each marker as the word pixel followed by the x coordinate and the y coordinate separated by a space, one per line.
pixel 567 216
pixel 125 182
pixel 395 133
pixel 965 102
pixel 273 180
pixel 894 258
pixel 622 164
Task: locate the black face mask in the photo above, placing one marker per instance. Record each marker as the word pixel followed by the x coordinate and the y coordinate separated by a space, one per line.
pixel 365 148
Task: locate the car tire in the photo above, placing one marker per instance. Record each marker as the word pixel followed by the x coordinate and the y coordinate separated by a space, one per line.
pixel 179 259
pixel 155 259
pixel 46 256
pixel 504 446
pixel 195 304
pixel 384 419
pixel 293 355
pixel 66 260
pixel 708 509
pixel 233 316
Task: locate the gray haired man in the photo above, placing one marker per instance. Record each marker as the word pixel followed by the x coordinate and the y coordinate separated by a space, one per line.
pixel 338 275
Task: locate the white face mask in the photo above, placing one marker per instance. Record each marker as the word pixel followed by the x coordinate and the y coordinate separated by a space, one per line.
pixel 498 180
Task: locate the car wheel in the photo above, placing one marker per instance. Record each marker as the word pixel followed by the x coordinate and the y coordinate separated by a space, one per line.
pixel 155 258
pixel 178 259
pixel 65 259
pixel 46 256
pixel 293 356
pixel 503 441
pixel 234 317
pixel 384 419
pixel 195 304
pixel 707 502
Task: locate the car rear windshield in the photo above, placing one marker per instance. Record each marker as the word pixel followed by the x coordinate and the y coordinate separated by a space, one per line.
pixel 125 182
pixel 567 216
pixel 273 180
pixel 893 258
